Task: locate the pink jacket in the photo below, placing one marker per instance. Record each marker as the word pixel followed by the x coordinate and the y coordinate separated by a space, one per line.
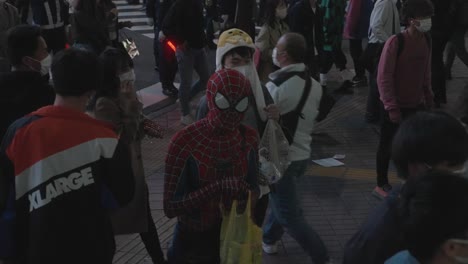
pixel 404 81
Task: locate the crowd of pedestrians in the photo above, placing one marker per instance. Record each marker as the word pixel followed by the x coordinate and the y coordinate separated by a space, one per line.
pixel 72 125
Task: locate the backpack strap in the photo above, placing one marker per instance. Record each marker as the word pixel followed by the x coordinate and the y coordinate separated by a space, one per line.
pixel 305 95
pixel 401 42
pixel 286 76
pixel 290 120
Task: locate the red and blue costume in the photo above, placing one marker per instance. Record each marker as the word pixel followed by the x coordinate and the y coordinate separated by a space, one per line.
pixel 209 163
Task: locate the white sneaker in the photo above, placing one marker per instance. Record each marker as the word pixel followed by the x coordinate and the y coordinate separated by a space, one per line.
pixel 186 120
pixel 270 249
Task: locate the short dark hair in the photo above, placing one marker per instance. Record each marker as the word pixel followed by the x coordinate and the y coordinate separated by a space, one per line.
pixel 112 62
pixel 22 40
pixel 416 8
pixel 75 72
pixel 431 138
pixel 242 51
pixel 296 47
pixel 434 210
pixel 270 12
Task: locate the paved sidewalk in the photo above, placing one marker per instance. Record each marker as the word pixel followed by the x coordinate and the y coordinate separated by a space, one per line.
pixel 335 200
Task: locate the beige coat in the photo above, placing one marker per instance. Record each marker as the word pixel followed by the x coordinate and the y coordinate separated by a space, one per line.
pixel 266 42
pixel 125 114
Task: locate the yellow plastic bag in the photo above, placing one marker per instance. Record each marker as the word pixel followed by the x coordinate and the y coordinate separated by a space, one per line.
pixel 241 239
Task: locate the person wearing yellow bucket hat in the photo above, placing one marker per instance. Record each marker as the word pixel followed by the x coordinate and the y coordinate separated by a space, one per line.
pixel 235 51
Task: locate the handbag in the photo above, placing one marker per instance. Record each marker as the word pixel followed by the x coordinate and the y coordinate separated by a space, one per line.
pixel 129 45
pixel 273 152
pixel 241 239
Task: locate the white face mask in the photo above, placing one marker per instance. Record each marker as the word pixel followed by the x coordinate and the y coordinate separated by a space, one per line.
pixel 424 25
pixel 281 13
pixel 461 260
pixel 274 54
pixel 45 65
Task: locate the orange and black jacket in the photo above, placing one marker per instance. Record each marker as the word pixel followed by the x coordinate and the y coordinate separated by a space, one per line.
pixel 61 171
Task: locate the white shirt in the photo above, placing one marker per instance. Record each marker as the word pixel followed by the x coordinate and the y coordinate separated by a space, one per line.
pixel 383 21
pixel 287 97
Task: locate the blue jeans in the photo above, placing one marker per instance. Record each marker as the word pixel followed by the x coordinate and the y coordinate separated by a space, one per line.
pixel 286 213
pixel 188 60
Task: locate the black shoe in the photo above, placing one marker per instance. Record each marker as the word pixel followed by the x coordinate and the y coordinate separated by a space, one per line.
pixel 156 68
pixel 171 91
pixel 359 81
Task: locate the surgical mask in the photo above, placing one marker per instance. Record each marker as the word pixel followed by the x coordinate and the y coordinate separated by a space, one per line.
pixel 274 54
pixel 424 25
pixel 45 65
pixel 461 260
pixel 281 13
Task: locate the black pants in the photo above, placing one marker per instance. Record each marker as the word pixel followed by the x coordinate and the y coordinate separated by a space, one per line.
pixel 387 132
pixel 457 48
pixel 192 247
pixel 355 48
pixel 328 58
pixel 374 107
pixel 167 64
pixel 438 69
pixel 55 39
pixel 313 63
pixel 151 240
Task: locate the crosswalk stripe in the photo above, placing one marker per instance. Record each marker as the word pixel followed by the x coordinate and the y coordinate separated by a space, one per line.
pixel 136 19
pixel 141 28
pixel 149 35
pixel 133 13
pixel 128 7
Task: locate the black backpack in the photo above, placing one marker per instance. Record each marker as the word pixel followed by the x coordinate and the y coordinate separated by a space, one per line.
pixel 401 42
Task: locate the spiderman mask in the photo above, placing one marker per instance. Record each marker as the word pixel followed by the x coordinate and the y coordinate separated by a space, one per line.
pixel 227 95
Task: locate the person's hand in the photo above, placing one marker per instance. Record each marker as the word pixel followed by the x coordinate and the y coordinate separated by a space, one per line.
pixel 114 11
pixel 128 24
pixel 272 112
pixel 161 36
pixel 233 187
pixel 150 21
pixel 395 116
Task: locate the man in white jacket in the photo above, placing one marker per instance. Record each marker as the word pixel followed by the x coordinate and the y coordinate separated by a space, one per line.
pixel 297 96
pixel 384 22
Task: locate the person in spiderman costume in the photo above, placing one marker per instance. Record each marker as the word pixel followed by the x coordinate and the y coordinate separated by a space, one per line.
pixel 210 163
